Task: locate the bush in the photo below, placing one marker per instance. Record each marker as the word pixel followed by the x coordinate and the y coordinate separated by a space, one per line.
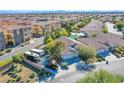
pixel 32 75
pixel 18 70
pixel 64 65
pixel 91 60
pixel 94 34
pixel 104 30
pixel 119 25
pixel 1 53
pixel 17 58
pixel 117 50
pixel 8 50
pixel 87 53
pixel 101 76
pixel 48 39
pixel 17 79
pixel 63 33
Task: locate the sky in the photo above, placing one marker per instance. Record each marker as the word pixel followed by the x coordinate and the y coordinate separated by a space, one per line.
pixel 61 4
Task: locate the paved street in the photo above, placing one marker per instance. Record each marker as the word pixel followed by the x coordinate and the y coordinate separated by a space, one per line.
pixel 18 49
pixel 113 67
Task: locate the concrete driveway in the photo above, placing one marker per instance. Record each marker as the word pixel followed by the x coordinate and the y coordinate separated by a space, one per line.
pixel 116 67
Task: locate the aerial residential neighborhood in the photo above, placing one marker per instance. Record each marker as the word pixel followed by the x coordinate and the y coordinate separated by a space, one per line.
pixel 62 48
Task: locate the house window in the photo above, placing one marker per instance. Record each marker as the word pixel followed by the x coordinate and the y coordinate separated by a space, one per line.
pixel 17 32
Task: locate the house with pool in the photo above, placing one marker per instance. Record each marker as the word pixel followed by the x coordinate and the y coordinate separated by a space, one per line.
pixel 70 52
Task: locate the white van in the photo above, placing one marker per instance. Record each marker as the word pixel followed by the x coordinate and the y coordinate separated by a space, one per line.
pixel 40 52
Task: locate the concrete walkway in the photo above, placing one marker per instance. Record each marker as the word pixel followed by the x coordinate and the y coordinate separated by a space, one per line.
pixel 64 72
pixel 111 57
pixel 72 75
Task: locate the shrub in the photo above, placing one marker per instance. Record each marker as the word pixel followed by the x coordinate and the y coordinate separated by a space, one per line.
pixel 17 58
pixel 119 25
pixel 63 33
pixel 117 50
pixel 48 39
pixel 17 79
pixel 64 65
pixel 104 30
pixel 1 53
pixel 101 76
pixel 91 60
pixel 86 53
pixel 18 70
pixel 32 75
pixel 8 50
pixel 94 34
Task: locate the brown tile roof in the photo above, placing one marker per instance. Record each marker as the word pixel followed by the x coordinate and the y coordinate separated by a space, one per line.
pixel 71 46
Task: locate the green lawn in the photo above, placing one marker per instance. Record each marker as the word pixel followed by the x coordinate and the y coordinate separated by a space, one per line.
pixel 2 63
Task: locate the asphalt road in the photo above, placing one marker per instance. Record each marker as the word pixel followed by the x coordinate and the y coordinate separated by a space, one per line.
pixel 18 49
pixel 116 67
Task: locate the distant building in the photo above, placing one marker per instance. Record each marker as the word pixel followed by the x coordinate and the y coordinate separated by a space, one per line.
pixel 39 28
pixel 15 35
pixel 2 41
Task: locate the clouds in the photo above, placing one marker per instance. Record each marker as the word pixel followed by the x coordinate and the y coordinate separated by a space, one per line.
pixel 62 4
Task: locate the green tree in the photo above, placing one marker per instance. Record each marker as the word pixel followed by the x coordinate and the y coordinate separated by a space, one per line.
pixel 17 58
pixel 119 25
pixel 87 53
pixel 54 49
pixel 63 33
pixel 101 76
pixel 48 39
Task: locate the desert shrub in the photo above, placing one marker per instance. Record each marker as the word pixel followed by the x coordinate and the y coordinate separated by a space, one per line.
pixel 104 30
pixel 32 75
pixel 8 50
pixel 94 34
pixel 101 76
pixel 1 53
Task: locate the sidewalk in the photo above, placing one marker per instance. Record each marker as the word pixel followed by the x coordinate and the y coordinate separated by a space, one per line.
pixel 61 72
pixel 72 68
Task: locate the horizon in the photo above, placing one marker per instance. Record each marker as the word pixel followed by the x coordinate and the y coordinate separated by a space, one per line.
pixel 59 11
pixel 75 5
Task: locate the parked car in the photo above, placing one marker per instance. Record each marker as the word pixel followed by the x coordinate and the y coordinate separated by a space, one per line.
pixel 85 34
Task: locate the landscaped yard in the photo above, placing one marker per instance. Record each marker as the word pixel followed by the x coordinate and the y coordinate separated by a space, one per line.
pixel 22 72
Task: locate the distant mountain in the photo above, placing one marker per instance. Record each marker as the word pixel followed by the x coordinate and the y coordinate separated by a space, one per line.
pixel 57 11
